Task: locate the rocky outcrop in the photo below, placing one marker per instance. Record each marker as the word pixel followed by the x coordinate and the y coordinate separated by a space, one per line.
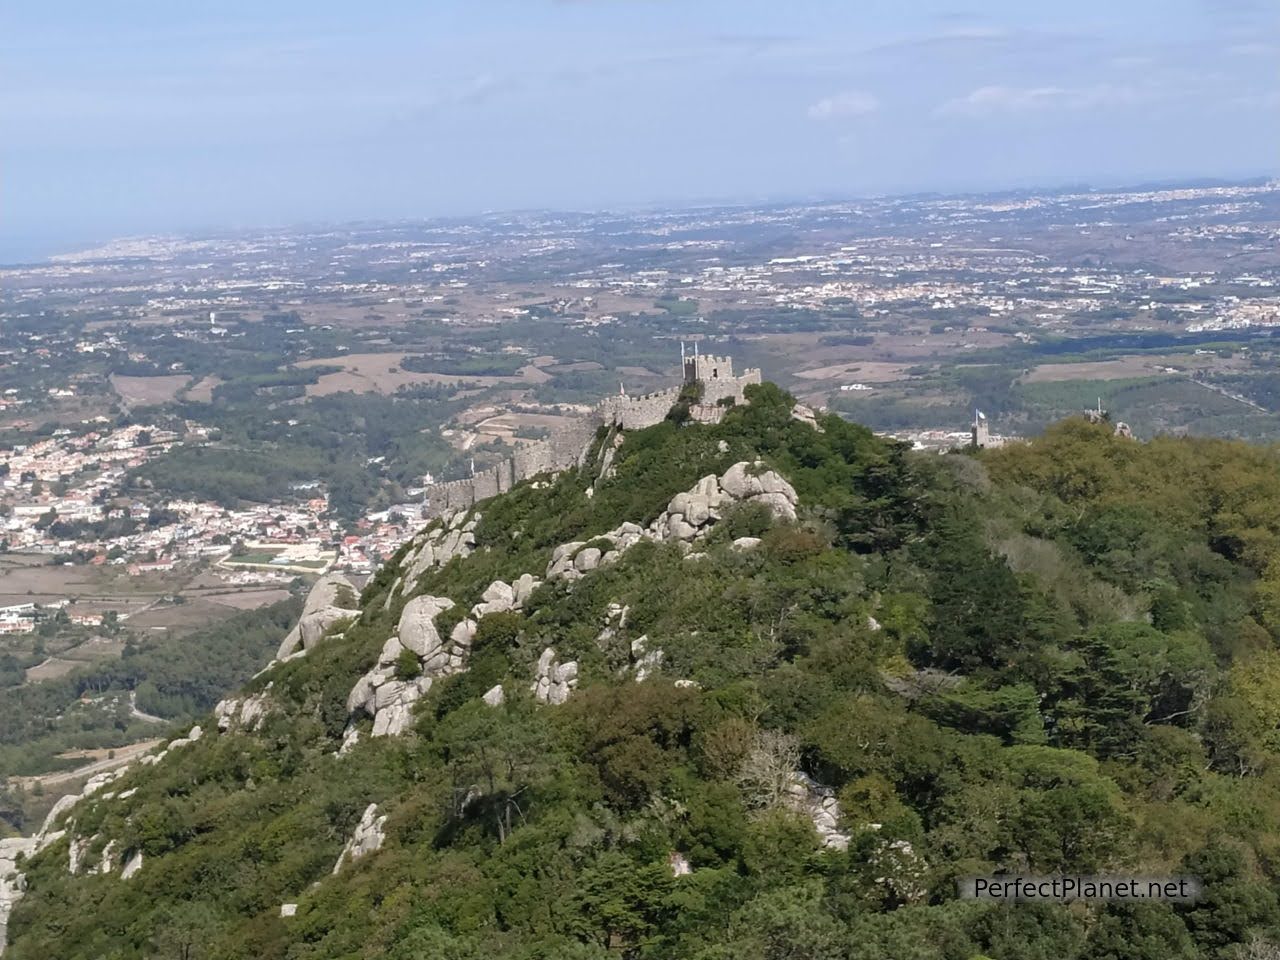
pixel 367 838
pixel 12 850
pixel 806 416
pixel 644 661
pixel 12 883
pixel 243 713
pixel 325 605
pixel 553 681
pixel 417 632
pixel 748 483
pixel 689 516
pixel 453 537
pixel 76 852
pixel 818 802
pixel 388 699
pixel 132 867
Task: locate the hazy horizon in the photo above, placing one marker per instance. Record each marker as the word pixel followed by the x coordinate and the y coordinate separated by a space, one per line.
pixel 168 120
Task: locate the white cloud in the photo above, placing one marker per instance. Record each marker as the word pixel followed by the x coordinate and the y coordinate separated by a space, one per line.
pixel 986 101
pixel 850 103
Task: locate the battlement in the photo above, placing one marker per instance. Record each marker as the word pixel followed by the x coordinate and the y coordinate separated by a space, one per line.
pixel 706 368
pixel 568 446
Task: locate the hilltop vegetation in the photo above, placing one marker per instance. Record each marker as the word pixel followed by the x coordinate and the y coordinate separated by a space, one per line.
pixel 1057 657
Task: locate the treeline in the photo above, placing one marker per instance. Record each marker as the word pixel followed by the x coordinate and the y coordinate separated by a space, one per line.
pixel 177 678
pixel 467 365
pixel 363 447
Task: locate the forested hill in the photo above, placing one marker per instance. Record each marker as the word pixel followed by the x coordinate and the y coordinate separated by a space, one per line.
pixel 761 689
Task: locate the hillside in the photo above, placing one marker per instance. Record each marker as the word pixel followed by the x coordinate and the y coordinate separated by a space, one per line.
pixel 757 689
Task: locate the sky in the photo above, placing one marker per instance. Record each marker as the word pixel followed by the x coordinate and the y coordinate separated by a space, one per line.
pixel 142 117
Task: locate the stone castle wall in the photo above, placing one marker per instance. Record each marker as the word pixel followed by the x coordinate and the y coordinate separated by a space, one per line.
pixel 568 445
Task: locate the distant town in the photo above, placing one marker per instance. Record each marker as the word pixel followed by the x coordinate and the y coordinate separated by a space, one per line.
pixel 189 425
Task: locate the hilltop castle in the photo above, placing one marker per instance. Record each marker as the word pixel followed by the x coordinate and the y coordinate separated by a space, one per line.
pixel 567 446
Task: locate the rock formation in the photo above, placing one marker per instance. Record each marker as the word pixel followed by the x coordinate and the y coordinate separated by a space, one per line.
pixel 367 838
pixel 818 802
pixel 388 699
pixel 689 516
pixel 453 536
pixel 245 713
pixel 324 606
pixel 553 681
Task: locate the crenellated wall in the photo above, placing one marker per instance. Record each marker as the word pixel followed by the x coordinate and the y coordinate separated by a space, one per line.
pixel 568 445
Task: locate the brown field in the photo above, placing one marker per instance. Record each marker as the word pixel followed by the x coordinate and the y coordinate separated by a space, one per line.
pixel 505 425
pixel 381 373
pixel 51 669
pixel 26 578
pixel 1123 369
pixel 98 648
pixel 202 390
pixel 575 366
pixel 866 371
pixel 195 614
pixel 247 599
pixel 145 391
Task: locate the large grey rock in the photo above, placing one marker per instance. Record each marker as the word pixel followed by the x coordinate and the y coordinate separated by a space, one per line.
pixel 417 627
pixel 319 612
pixel 392 721
pixel 779 505
pixel 524 587
pixel 805 415
pixel 588 559
pixel 680 529
pixel 12 882
pixel 464 631
pixel 498 597
pixel 739 484
pixel 439 544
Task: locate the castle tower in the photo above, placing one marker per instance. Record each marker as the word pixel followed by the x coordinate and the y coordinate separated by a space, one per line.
pixel 705 367
pixel 981 432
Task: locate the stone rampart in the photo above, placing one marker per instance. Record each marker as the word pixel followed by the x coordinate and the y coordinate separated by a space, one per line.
pixel 568 445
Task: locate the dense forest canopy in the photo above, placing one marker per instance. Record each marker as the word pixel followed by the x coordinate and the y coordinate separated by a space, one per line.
pixel 1058 656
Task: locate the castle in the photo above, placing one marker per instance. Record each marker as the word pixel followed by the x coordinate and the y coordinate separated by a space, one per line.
pixel 981 432
pixel 567 446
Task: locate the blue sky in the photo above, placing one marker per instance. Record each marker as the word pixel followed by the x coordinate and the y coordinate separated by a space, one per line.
pixel 140 116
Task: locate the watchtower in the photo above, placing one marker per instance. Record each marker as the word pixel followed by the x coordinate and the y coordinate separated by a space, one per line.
pixel 704 367
pixel 981 431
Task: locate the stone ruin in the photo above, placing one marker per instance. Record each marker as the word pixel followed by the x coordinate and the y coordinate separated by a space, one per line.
pixel 568 446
